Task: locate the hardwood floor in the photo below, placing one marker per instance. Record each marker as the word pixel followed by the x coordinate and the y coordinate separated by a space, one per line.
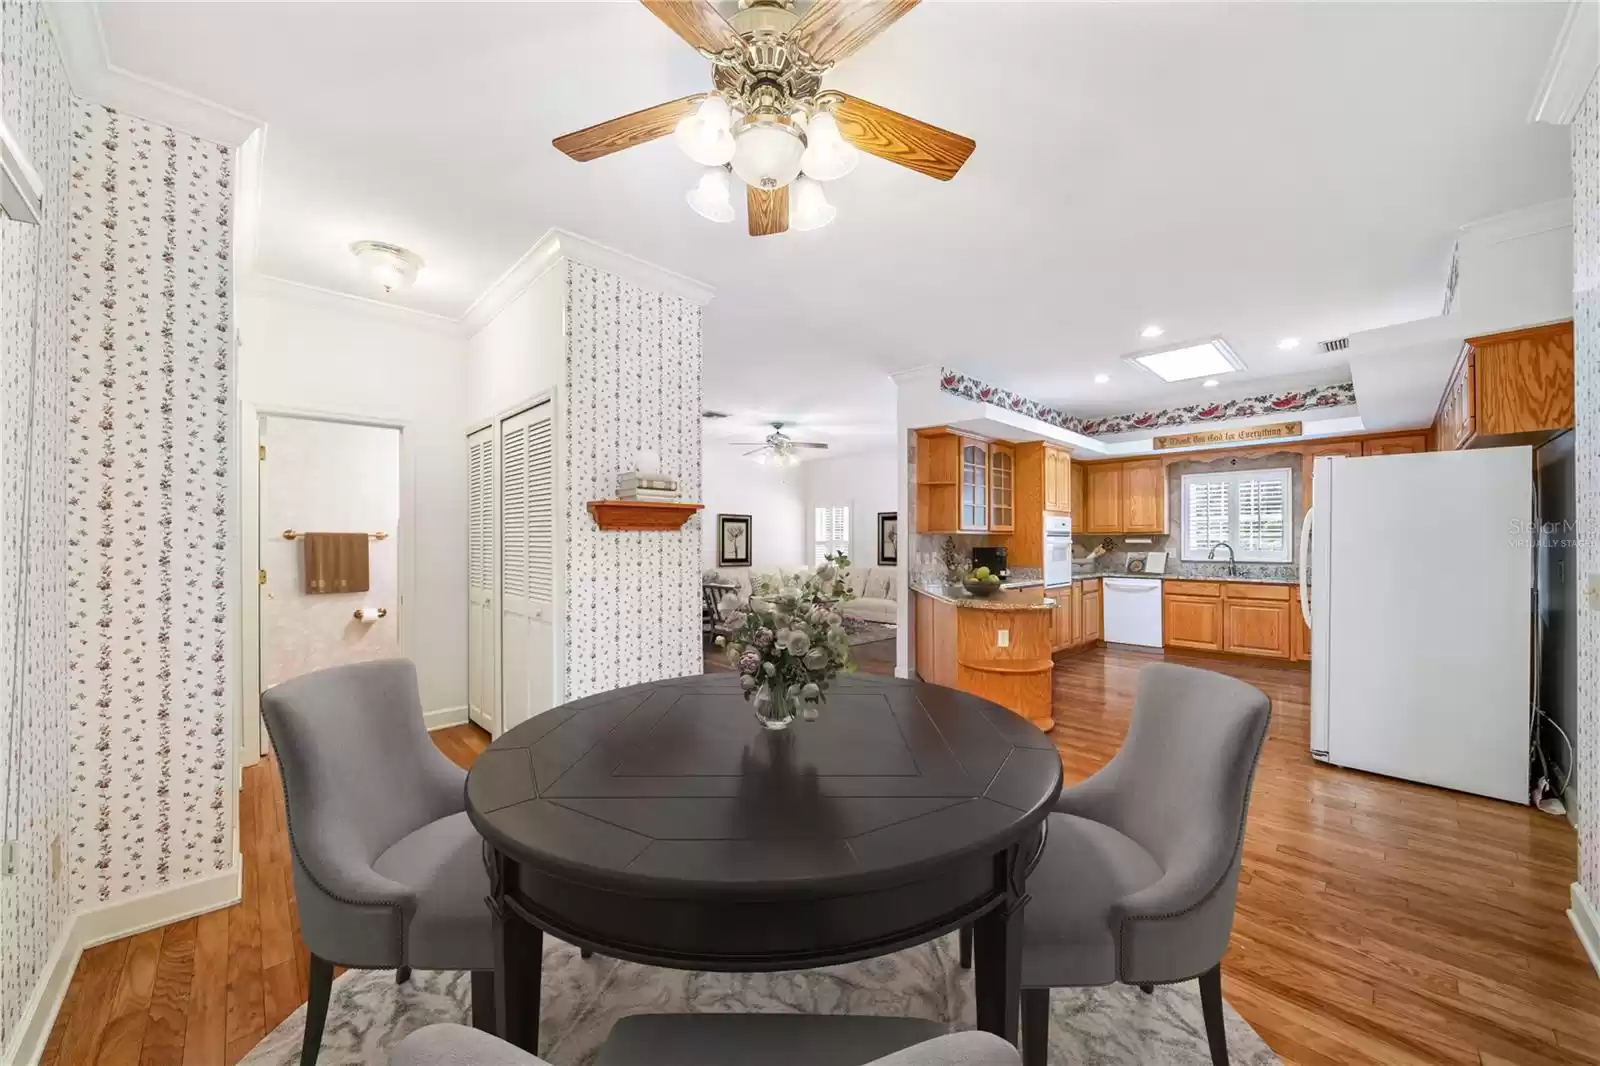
pixel 1378 921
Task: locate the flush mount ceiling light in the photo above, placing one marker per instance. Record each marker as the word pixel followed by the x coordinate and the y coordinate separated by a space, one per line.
pixel 387 265
pixel 1190 361
pixel 1101 379
pixel 1151 332
pixel 1288 344
pixel 767 115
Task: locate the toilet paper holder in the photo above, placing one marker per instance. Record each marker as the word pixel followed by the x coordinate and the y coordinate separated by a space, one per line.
pixel 366 614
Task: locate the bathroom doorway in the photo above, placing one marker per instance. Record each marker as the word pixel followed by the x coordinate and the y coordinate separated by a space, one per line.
pixel 327 601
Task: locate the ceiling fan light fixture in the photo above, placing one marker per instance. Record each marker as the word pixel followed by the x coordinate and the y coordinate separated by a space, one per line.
pixel 707 135
pixel 809 207
pixel 712 197
pixel 828 156
pixel 767 151
pixel 387 265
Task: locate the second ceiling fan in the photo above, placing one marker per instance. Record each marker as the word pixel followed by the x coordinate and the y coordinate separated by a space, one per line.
pixel 768 119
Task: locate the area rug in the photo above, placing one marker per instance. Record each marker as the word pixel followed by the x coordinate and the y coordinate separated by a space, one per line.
pixel 859 631
pixel 582 998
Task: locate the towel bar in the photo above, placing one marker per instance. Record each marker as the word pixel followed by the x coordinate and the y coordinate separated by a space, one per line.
pixel 290 534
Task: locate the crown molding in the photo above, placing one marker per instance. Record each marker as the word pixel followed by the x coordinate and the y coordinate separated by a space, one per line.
pixel 1523 222
pixel 270 285
pixel 1571 67
pixel 558 244
pixel 81 41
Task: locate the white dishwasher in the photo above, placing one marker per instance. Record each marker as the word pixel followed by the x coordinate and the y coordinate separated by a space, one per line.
pixel 1132 608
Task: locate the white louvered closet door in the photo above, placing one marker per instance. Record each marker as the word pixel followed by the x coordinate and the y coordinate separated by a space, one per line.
pixel 527 565
pixel 483 704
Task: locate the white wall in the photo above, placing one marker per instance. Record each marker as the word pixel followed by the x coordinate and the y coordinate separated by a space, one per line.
pixel 519 353
pixel 773 497
pixel 315 352
pixel 864 482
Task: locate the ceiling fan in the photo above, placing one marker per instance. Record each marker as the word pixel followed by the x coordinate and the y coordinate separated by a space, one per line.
pixel 779 447
pixel 768 119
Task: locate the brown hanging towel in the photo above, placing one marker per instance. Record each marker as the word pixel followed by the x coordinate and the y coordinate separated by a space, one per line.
pixel 336 562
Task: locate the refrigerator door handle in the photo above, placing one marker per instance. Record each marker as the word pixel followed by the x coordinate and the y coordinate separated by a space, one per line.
pixel 1305 567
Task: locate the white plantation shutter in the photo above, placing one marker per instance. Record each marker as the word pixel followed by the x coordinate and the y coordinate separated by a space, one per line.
pixel 1247 509
pixel 832 532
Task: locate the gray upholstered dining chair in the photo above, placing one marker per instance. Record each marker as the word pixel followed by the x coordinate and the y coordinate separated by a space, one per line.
pixel 388 871
pixel 455 1045
pixel 1141 862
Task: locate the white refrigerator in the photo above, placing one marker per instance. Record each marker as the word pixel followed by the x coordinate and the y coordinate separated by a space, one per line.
pixel 1416 578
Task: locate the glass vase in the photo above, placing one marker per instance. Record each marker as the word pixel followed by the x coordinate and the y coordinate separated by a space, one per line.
pixel 774 707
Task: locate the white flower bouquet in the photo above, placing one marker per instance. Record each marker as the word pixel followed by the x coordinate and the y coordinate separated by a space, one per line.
pixel 788 642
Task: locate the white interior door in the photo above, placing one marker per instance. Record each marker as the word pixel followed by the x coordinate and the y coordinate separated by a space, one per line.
pixel 327 477
pixel 527 565
pixel 483 704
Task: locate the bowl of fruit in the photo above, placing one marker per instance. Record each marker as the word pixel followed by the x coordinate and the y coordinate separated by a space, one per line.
pixel 981 582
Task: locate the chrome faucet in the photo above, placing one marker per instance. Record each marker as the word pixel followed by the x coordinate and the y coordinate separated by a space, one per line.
pixel 1233 567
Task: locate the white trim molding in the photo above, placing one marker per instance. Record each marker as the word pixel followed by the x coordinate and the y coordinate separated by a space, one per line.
pixel 1587 924
pixel 259 284
pixel 102 924
pixel 82 43
pixel 445 717
pixel 558 244
pixel 1572 66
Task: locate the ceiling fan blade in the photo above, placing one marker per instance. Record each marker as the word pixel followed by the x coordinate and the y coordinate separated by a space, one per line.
pixel 757 451
pixel 805 444
pixel 698 22
pixel 768 210
pixel 627 131
pixel 835 29
pixel 902 139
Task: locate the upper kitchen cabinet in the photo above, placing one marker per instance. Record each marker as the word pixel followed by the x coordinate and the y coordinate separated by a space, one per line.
pixel 1123 497
pixel 938 481
pixel 1508 388
pixel 974 486
pixel 1058 495
pixel 1348 448
pixel 1396 444
pixel 1002 488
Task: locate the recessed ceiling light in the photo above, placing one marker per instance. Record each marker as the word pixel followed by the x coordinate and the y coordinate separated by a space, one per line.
pixel 1151 331
pixel 1101 379
pixel 1288 344
pixel 1209 383
pixel 1190 361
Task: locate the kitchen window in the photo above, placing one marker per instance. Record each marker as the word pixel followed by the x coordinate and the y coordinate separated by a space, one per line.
pixel 1249 509
pixel 832 525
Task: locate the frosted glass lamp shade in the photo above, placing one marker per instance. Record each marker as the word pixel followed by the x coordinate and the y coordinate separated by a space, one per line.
pixel 828 155
pixel 706 136
pixel 808 206
pixel 388 266
pixel 767 154
pixel 711 197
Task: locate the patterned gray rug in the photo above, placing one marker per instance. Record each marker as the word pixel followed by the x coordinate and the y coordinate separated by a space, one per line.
pixel 859 631
pixel 581 1000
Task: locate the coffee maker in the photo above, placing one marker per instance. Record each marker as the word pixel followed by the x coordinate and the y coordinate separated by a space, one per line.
pixel 993 558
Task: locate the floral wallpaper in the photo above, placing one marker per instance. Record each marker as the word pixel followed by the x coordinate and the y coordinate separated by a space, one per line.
pixel 633 382
pixel 1586 337
pixel 34 790
pixel 149 646
pixel 971 388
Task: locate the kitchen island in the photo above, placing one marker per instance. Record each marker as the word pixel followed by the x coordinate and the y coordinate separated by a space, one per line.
pixel 996 647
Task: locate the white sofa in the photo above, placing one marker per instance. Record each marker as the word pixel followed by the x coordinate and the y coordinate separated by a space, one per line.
pixel 875 588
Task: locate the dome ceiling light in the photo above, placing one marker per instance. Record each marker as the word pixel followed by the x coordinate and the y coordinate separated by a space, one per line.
pixel 768 119
pixel 387 265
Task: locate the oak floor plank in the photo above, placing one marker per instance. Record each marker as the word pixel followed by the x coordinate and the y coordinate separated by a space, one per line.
pixel 123 1039
pixel 206 1035
pixel 169 997
pixel 100 970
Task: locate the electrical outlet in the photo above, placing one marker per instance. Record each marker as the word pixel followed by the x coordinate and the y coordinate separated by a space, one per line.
pixel 55 858
pixel 8 858
pixel 1002 638
pixel 1591 591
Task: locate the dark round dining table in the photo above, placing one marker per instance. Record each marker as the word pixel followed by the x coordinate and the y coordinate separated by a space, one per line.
pixel 662 824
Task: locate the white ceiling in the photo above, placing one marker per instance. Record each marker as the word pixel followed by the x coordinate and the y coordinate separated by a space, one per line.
pixel 1249 170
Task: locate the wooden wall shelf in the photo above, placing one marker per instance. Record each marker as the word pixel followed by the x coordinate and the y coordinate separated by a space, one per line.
pixel 646 515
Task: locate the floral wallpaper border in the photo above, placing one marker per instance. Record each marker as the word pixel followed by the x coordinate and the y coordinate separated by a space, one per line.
pixel 1268 403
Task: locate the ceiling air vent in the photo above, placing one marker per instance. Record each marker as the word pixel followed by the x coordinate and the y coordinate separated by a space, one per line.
pixel 1338 345
pixel 711 415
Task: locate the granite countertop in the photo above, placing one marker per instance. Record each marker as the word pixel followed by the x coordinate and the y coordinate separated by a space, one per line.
pixel 1001 602
pixel 1239 579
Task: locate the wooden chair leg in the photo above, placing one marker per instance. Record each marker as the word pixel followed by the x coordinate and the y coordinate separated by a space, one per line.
pixel 965 938
pixel 1035 1026
pixel 402 975
pixel 1147 989
pixel 483 1001
pixel 1211 1009
pixel 319 984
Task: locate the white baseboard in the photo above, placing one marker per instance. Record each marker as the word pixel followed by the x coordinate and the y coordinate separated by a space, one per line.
pixel 1587 923
pixel 444 716
pixel 98 925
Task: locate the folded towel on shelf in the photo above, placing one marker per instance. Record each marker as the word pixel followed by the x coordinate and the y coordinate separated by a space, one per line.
pixel 336 562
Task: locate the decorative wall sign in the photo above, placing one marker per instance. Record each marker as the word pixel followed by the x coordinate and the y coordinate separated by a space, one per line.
pixel 888 538
pixel 1274 431
pixel 733 540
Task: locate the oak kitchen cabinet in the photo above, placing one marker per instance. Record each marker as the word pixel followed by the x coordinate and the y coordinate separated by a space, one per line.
pixel 974 486
pixel 1395 444
pixel 1348 448
pixel 1508 388
pixel 964 485
pixel 1002 488
pixel 1238 618
pixel 1123 497
pixel 1057 479
pixel 1078 618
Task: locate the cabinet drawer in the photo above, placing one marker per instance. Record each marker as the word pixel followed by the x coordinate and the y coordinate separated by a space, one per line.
pixel 1090 584
pixel 1259 592
pixel 1211 589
